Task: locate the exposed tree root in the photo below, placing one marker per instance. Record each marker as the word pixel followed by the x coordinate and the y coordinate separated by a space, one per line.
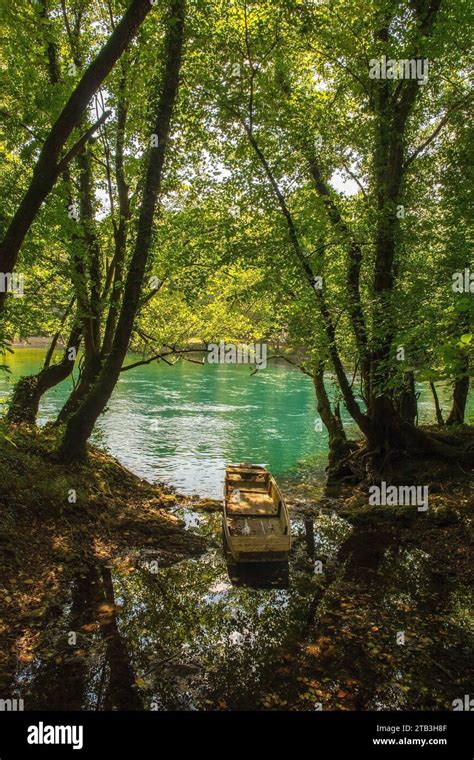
pixel 369 464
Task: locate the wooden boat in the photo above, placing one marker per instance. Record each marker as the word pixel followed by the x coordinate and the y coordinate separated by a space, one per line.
pixel 256 525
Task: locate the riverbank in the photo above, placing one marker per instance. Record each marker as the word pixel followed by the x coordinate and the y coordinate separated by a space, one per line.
pixel 55 521
pixel 375 613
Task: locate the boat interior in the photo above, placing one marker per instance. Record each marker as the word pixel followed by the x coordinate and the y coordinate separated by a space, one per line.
pixel 253 503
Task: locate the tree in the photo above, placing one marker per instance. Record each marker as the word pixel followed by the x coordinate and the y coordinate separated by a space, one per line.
pixel 80 425
pixel 51 164
pixel 386 144
pixel 309 200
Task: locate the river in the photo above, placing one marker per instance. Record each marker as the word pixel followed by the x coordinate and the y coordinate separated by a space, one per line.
pixel 181 425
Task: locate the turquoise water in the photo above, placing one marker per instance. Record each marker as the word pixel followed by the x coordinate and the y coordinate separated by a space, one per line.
pixel 183 424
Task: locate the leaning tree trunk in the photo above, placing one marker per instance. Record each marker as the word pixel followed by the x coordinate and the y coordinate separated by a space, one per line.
pixel 339 447
pixel 93 360
pixel 88 376
pixel 80 425
pixel 438 410
pixel 88 269
pixel 50 164
pixel 28 391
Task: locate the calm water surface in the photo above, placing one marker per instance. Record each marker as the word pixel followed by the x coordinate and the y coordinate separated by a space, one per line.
pixel 181 425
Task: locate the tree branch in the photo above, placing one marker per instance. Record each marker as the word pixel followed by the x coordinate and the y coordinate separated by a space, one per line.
pixel 286 359
pixel 455 107
pixel 77 147
pixel 163 355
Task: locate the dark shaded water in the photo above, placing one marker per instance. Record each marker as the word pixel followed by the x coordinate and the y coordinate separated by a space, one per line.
pixel 192 637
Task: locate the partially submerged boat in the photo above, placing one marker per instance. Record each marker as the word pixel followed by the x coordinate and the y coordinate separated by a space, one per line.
pixel 256 525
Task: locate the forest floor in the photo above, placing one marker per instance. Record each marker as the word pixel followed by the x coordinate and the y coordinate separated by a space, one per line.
pixel 400 571
pixel 54 521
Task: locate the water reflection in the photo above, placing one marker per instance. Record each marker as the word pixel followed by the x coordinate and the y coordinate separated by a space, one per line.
pixel 196 635
pixel 259 574
pixel 203 635
pixel 83 662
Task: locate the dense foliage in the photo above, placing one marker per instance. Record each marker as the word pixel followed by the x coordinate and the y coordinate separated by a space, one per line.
pixel 297 199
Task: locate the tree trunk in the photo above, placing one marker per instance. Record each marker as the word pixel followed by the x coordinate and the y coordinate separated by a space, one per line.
pixel 80 425
pixel 439 413
pixel 406 401
pixel 461 382
pixel 339 447
pixel 460 394
pixel 93 258
pixel 390 433
pixel 89 375
pixel 353 273
pixel 329 328
pixel 28 391
pixel 120 230
pixel 93 359
pixel 87 272
pixel 49 166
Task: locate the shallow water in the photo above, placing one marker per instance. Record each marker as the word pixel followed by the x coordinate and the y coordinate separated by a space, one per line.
pixel 180 637
pixel 200 635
